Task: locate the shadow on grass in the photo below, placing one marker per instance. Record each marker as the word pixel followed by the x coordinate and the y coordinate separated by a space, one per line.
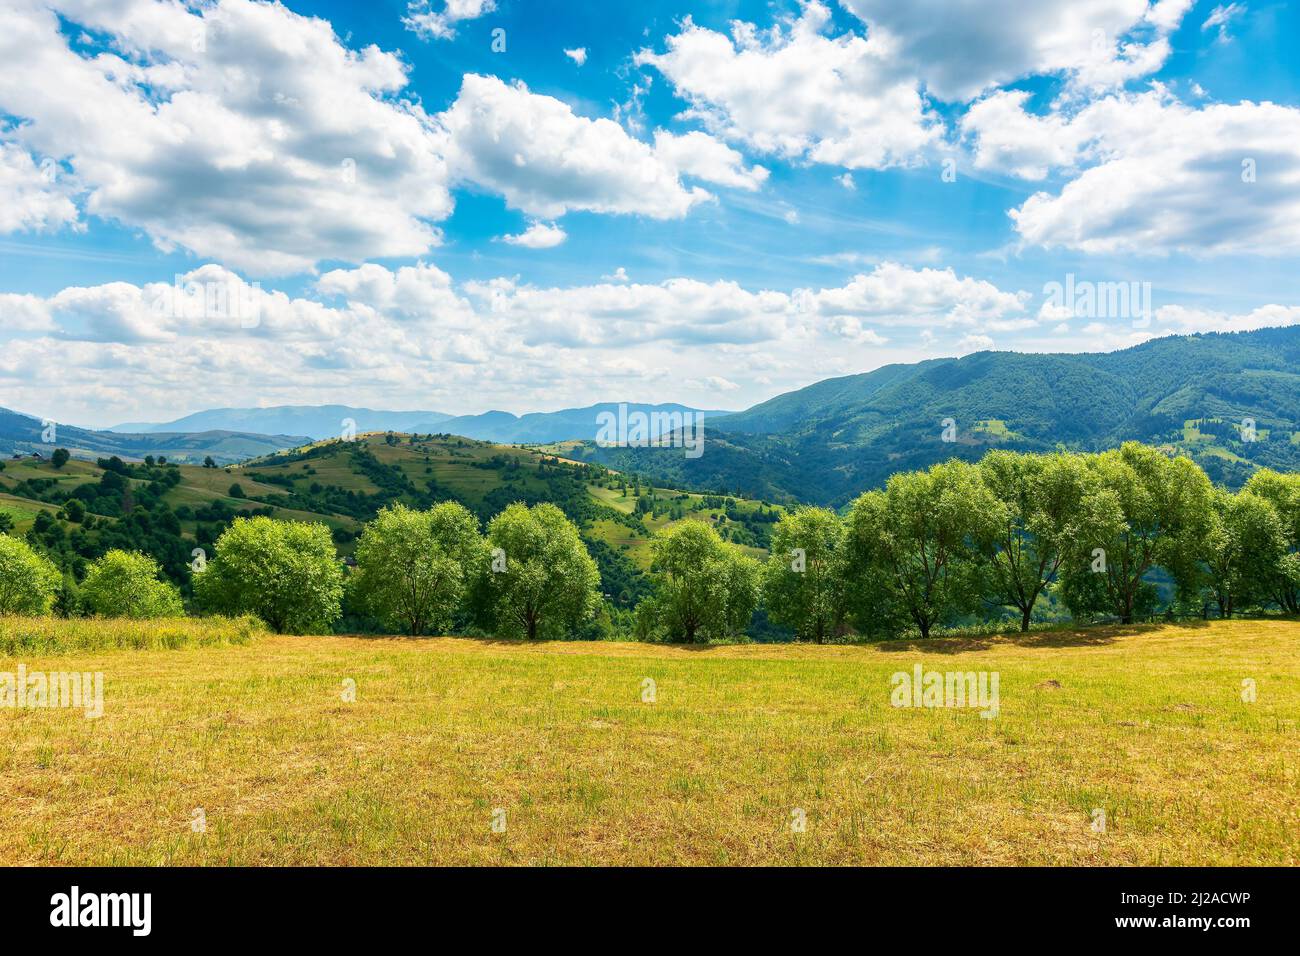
pixel 1098 635
pixel 549 642
pixel 471 638
pixel 1094 636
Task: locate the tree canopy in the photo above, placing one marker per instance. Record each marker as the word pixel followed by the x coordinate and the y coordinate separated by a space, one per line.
pixel 126 584
pixel 805 580
pixel 415 568
pixel 540 579
pixel 703 587
pixel 28 581
pixel 285 572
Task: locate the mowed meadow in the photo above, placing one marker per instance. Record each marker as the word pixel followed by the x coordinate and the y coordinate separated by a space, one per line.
pixel 346 750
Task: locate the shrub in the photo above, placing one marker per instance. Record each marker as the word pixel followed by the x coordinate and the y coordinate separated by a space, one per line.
pixel 28 581
pixel 126 584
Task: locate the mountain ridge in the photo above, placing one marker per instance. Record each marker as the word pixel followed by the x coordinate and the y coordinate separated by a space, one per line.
pixel 829 440
pixel 835 438
pixel 21 433
pixel 321 422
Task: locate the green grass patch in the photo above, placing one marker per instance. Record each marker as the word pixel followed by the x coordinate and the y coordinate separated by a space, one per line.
pixel 993 428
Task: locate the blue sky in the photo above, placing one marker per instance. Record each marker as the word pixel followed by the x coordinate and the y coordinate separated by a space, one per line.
pixel 726 200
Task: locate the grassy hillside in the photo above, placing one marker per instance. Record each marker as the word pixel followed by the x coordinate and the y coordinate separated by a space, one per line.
pixel 830 441
pixel 168 510
pixel 616 513
pixel 1145 723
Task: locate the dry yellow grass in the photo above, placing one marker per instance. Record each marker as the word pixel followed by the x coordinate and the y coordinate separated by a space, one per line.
pixel 1147 724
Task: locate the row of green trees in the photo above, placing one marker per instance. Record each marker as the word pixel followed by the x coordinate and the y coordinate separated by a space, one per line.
pixel 991 539
pixel 954 543
pixel 120 584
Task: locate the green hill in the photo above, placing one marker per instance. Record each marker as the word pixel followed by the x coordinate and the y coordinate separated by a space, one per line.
pixel 168 510
pixel 829 441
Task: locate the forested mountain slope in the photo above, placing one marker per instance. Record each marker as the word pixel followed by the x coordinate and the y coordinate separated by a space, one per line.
pixel 829 441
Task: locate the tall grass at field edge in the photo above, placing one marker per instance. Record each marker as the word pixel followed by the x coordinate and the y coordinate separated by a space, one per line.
pixel 51 635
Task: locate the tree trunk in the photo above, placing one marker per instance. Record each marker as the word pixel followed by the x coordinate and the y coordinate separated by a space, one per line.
pixel 1025 613
pixel 532 628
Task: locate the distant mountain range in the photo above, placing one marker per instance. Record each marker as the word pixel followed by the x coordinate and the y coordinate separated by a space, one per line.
pixel 329 421
pixel 829 441
pixel 24 434
pixel 318 422
pixel 230 435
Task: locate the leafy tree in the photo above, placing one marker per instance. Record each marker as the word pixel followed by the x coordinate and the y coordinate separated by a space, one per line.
pixel 125 584
pixel 911 547
pixel 1149 509
pixel 804 579
pixel 742 585
pixel 1283 492
pixel 236 491
pixel 541 579
pixel 703 587
pixel 75 510
pixel 208 462
pixel 60 457
pixel 285 572
pixel 67 601
pixel 1040 502
pixel 415 568
pixel 1243 549
pixel 28 581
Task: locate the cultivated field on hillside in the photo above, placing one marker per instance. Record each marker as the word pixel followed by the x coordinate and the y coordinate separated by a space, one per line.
pixel 579 760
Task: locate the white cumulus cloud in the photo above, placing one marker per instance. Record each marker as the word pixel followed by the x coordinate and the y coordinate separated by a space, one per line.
pixel 1149 174
pixel 538 235
pixel 961 48
pixel 546 160
pixel 427 23
pixel 797 92
pixel 380 336
pixel 701 156
pixel 242 132
pixel 31 196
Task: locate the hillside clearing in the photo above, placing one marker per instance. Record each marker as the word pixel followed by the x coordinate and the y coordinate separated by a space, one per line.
pixel 1147 724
